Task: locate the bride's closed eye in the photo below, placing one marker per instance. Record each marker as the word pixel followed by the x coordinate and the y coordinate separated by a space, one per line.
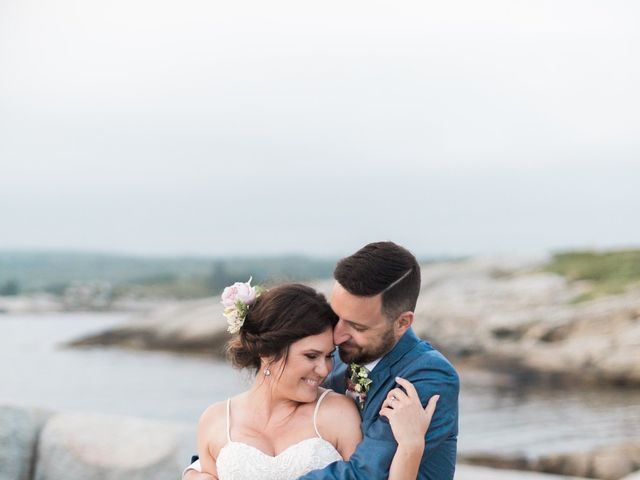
pixel 315 354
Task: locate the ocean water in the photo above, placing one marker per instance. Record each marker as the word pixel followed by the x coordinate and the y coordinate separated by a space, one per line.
pixel 36 370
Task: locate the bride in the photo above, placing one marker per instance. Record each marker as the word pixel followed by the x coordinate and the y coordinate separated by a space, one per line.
pixel 286 425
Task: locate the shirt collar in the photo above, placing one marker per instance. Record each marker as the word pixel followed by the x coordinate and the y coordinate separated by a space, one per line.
pixel 371 365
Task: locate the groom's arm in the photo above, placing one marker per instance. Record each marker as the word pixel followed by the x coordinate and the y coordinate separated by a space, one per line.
pixel 374 454
pixel 439 459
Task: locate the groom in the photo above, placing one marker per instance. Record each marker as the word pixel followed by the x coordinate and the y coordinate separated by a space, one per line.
pixel 375 296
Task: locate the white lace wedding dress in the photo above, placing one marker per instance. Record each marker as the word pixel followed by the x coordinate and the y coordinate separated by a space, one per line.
pixel 239 461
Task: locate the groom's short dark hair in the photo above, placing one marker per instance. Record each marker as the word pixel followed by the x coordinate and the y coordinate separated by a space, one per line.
pixel 382 267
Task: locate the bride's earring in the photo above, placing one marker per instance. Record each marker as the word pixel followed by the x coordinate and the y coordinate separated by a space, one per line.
pixel 267 372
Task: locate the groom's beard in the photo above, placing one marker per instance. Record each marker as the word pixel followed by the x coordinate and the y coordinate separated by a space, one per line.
pixel 350 352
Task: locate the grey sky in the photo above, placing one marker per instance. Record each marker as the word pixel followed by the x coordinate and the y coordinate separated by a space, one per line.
pixel 202 127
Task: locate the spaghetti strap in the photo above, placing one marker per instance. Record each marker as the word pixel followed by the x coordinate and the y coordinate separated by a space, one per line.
pixel 228 420
pixel 315 412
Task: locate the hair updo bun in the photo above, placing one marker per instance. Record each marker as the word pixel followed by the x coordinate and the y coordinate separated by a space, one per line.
pixel 279 317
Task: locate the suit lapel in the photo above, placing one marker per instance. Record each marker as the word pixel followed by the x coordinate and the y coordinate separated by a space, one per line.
pixel 381 374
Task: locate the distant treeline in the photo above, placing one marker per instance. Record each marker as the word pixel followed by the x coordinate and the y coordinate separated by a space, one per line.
pixel 180 277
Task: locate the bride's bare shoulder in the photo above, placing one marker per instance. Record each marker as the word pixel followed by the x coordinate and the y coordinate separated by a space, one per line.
pixel 212 426
pixel 213 416
pixel 338 422
pixel 338 410
pixel 334 398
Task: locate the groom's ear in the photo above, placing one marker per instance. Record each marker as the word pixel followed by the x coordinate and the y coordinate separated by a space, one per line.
pixel 403 322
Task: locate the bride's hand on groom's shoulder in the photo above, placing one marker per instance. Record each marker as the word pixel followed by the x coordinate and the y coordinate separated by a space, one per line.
pixel 408 419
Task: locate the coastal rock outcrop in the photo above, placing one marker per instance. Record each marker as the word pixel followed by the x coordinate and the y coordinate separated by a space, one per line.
pixel 79 447
pixel 467 472
pixel 613 462
pixel 19 432
pixel 514 316
pixel 195 326
pixel 497 313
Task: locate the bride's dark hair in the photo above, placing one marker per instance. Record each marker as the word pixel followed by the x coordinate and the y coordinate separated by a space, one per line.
pixel 279 317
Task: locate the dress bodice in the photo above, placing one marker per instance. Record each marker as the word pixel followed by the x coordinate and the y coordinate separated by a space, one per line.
pixel 240 461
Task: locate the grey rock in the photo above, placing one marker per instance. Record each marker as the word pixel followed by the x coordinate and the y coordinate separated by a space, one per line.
pixel 578 463
pixel 467 472
pixel 97 447
pixel 612 462
pixel 612 465
pixel 19 430
pixel 514 317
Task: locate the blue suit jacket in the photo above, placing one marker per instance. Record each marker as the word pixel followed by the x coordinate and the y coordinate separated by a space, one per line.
pixel 431 373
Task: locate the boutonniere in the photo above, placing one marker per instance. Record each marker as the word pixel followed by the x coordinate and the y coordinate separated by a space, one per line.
pixel 358 383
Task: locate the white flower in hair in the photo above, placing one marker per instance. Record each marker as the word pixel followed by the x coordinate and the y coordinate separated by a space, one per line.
pixel 236 300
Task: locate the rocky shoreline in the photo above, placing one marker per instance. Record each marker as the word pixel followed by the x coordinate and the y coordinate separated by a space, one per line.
pixel 42 445
pixel 466 472
pixel 612 462
pixel 502 314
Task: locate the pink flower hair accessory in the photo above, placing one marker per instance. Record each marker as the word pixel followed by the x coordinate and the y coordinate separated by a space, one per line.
pixel 237 299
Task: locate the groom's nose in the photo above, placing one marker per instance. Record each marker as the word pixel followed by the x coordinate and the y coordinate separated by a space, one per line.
pixel 340 334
